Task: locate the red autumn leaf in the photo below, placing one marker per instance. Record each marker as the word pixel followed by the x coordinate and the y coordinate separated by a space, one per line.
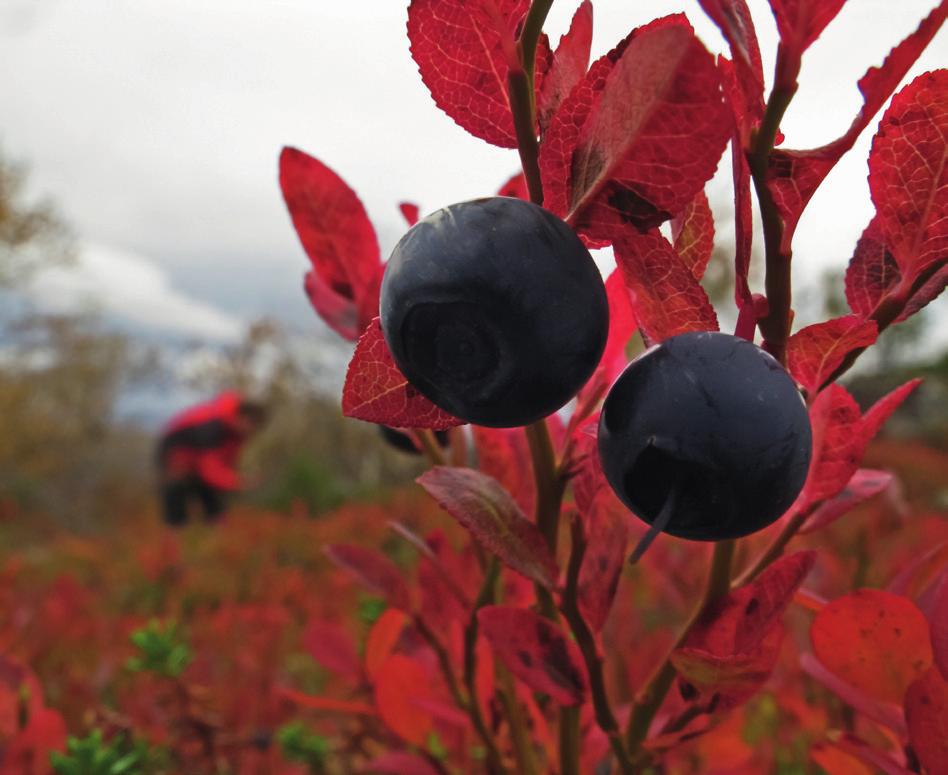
pixel 926 711
pixel 794 176
pixel 938 620
pixel 515 187
pixel 338 238
pixel 607 538
pixel 410 212
pixel 332 648
pixel 492 516
pixel 731 649
pixel 693 234
pixel 464 50
pixel 536 651
pixel 650 106
pixel 621 327
pixel 920 572
pixel 376 391
pixel 666 298
pixel 399 763
pixel 734 20
pixel 374 570
pixel 835 761
pixel 908 174
pixel 328 704
pixel 876 759
pixel 28 752
pixel 503 453
pixel 864 484
pixel 800 22
pixel 570 61
pixel 815 352
pixel 727 681
pixel 873 640
pixel 872 272
pixel 383 637
pixel 886 713
pixel 401 682
pixel 840 437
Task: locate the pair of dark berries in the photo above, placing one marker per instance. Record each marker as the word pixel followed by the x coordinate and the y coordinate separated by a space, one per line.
pixel 495 311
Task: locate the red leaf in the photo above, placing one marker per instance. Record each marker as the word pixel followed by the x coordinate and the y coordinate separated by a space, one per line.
pixel 328 704
pixel 376 391
pixel 731 649
pixel 338 238
pixel 561 137
pixel 864 484
pixel 602 157
pixel 926 711
pixel 400 763
pixel 607 539
pixel 464 50
pixel 653 136
pixel 374 570
pixel 727 681
pixel 734 20
pixel 794 176
pixel 882 409
pixel 886 713
pixel 872 271
pixel 621 327
pixel 410 211
pixel 840 437
pixel 383 637
pixel 570 61
pixel 336 310
pixel 908 174
pixel 332 648
pixel 536 651
pixel 815 352
pixel 515 187
pixel 877 760
pixel 666 298
pixel 486 509
pixel 873 640
pixel 693 234
pixel 800 22
pixel 401 681
pixel 503 453
pixel 28 752
pixel 938 620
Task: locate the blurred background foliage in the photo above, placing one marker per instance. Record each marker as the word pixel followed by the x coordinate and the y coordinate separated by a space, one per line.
pixel 70 458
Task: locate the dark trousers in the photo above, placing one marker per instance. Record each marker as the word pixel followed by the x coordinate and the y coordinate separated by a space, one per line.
pixel 177 496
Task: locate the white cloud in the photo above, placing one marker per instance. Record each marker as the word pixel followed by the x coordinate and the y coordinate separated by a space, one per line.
pixel 133 289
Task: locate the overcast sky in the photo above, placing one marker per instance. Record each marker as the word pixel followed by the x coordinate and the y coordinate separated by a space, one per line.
pixel 156 124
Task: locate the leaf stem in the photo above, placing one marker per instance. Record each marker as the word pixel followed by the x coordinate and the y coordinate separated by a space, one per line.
pixel 549 485
pixel 522 742
pixel 775 327
pixel 586 641
pixel 652 695
pixel 429 445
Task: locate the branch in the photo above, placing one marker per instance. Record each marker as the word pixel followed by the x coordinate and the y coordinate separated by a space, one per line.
pixel 650 698
pixel 586 641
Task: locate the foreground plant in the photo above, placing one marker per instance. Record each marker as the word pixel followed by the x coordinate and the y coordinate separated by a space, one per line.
pixel 707 437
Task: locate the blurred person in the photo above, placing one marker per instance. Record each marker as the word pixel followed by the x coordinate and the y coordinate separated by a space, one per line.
pixel 198 454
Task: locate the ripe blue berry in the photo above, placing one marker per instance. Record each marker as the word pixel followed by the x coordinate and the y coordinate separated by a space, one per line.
pixel 705 437
pixel 494 310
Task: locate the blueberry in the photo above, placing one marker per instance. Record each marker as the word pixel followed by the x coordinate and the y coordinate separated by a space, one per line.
pixel 403 442
pixel 494 310
pixel 705 437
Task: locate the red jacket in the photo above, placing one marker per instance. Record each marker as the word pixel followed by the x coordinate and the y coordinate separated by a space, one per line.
pixel 204 441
